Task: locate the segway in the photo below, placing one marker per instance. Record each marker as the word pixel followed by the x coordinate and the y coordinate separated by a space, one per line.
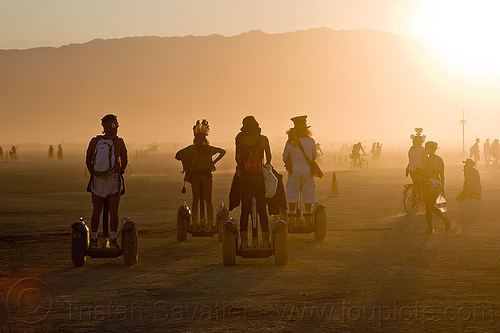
pixel 231 242
pixel 317 225
pixel 184 226
pixel 80 238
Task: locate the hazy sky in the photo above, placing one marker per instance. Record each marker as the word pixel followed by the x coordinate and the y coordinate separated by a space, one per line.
pixel 33 23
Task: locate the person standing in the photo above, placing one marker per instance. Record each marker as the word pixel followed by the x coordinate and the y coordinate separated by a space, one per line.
pixel 433 186
pixel 51 153
pixel 474 151
pixel 60 153
pixel 106 160
pixel 486 150
pixel 251 146
pixel 199 166
pixel 300 179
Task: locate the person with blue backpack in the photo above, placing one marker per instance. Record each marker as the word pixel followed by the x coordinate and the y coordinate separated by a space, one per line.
pixel 106 160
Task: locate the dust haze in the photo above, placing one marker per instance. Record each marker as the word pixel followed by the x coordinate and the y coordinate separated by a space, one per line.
pixel 360 85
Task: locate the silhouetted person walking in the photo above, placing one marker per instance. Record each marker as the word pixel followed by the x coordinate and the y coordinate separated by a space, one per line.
pixel 433 186
pixel 106 161
pixel 474 151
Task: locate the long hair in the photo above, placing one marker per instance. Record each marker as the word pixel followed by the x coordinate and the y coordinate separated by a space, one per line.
pixel 295 133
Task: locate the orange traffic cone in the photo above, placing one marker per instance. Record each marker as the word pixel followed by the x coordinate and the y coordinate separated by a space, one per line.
pixel 335 190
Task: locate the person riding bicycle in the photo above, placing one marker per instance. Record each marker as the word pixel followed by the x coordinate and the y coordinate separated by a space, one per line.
pixel 13 153
pixel 495 151
pixel 250 149
pixel 106 160
pixel 356 152
pixel 198 166
pixel 416 158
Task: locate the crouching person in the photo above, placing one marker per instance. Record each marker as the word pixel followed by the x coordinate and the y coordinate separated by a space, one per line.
pixel 106 161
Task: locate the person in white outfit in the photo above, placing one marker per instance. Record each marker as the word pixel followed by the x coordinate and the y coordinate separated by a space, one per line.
pixel 300 179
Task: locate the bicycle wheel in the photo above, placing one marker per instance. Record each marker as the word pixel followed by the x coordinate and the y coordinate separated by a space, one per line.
pixel 410 201
pixel 364 165
pixel 353 165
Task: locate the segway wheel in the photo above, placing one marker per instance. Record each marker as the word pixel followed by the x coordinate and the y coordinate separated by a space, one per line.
pixel 281 247
pixel 129 245
pixel 78 247
pixel 229 244
pixel 320 225
pixel 182 228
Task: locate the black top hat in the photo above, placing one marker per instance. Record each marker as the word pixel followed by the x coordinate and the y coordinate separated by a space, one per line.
pixel 299 122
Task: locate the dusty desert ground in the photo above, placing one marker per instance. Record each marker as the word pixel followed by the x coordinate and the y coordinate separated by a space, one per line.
pixel 375 272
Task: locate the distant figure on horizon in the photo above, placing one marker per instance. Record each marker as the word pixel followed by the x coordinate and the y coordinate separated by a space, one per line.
pixel 13 153
pixel 300 144
pixel 378 151
pixel 51 153
pixel 495 151
pixel 198 167
pixel 106 160
pixel 1 153
pixel 474 151
pixel 320 153
pixel 433 186
pixel 373 151
pixel 356 152
pixel 60 153
pixel 472 182
pixel 486 150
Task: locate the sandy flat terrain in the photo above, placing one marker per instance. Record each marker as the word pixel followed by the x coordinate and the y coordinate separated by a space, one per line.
pixel 375 272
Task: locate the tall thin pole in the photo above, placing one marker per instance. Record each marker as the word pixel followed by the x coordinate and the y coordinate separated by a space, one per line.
pixel 463 122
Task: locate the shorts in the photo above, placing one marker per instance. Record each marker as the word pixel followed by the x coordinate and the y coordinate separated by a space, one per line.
pixel 301 180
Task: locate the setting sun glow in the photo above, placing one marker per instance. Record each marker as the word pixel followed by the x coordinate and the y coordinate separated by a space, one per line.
pixel 463 33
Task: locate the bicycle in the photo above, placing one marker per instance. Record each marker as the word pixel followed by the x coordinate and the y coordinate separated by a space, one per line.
pixel 493 165
pixel 412 199
pixel 359 163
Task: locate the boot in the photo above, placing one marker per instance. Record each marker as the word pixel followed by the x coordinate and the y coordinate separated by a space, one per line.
pixel 265 240
pixel 307 219
pixel 292 219
pixel 209 223
pixel 194 219
pixel 244 240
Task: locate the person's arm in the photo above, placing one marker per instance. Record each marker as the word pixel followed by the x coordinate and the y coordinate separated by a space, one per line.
pixel 267 150
pixel 89 155
pixel 441 174
pixel 314 151
pixel 221 153
pixel 123 156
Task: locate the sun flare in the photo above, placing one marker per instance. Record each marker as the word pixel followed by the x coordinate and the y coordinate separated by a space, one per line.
pixel 463 33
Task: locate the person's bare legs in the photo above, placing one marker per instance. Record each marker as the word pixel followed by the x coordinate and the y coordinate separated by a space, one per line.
pixel 113 203
pixel 97 204
pixel 207 195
